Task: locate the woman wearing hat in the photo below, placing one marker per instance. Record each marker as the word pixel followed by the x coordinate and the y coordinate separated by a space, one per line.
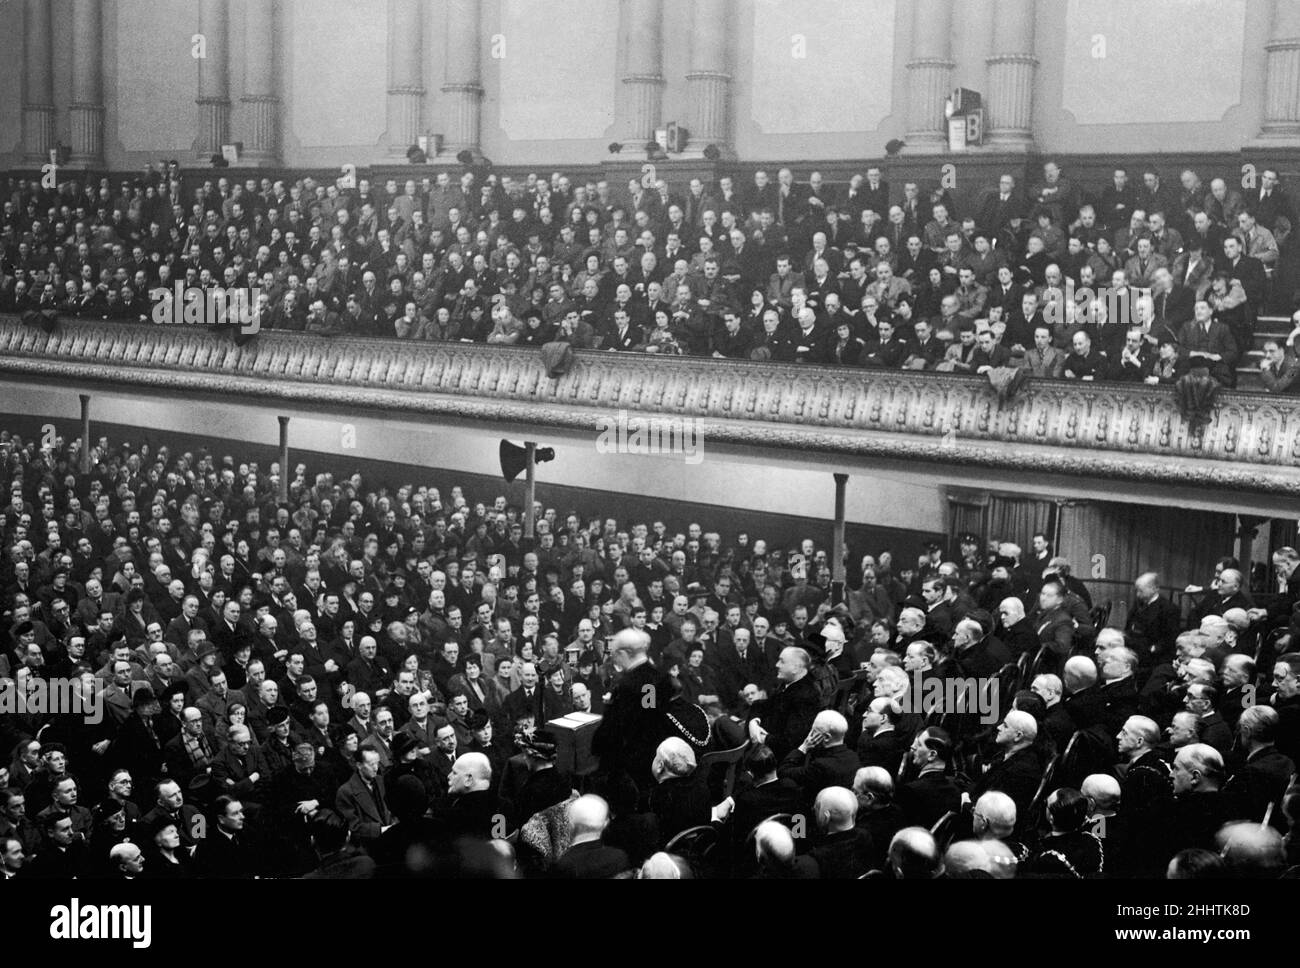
pixel 165 858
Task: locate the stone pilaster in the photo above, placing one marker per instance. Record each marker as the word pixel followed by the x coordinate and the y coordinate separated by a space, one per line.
pixel 708 84
pixel 214 78
pixel 641 106
pixel 463 84
pixel 38 82
pixel 405 74
pixel 929 75
pixel 1009 115
pixel 261 99
pixel 86 110
pixel 1282 80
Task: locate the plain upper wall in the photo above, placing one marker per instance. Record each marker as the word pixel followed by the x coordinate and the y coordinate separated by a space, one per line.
pixel 1173 75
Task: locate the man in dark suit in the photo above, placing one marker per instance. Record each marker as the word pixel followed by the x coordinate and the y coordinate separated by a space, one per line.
pixel 679 795
pixel 1272 202
pixel 1198 809
pixel 635 721
pixel 735 664
pixel 840 850
pixel 934 791
pixel 1054 626
pixel 821 760
pixel 588 856
pixel 191 752
pixel 1217 601
pixel 1146 792
pixel 527 699
pixel 1264 777
pixel 360 801
pixel 1117 665
pixel 882 743
pixel 1018 768
pixel 1208 344
pixel 1154 622
pixel 1214 730
pixel 771 793
pixel 1173 302
pixel 1000 207
pixel 473 808
pixel 225 853
pixel 980 655
pixel 784 720
pixel 1246 269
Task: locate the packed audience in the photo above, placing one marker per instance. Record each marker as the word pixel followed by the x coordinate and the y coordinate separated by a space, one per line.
pixel 1143 280
pixel 363 681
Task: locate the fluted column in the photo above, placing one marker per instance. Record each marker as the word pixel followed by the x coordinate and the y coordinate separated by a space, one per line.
pixel 708 85
pixel 1009 119
pixel 643 81
pixel 261 99
pixel 463 85
pixel 1282 81
pixel 405 74
pixel 38 81
pixel 86 111
pixel 214 77
pixel 929 74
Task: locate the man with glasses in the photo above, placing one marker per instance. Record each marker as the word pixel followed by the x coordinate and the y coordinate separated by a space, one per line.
pixel 240 769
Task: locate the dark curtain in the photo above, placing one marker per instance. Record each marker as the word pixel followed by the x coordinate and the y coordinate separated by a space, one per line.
pixel 998 516
pixel 1117 542
pixel 967 512
pixel 1018 519
pixel 1282 535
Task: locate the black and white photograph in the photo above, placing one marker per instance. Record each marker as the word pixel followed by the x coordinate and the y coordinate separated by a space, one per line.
pixel 740 441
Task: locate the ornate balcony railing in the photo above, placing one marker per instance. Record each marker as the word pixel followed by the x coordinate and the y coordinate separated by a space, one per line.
pixel 1115 431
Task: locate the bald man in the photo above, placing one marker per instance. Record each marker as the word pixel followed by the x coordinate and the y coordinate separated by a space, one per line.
pixel 1200 807
pixel 775 855
pixel 680 795
pixel 1102 791
pixel 1227 595
pixel 1017 770
pixel 878 814
pixel 473 809
pixel 1145 794
pixel 1057 722
pixel 967 859
pixel 1264 777
pixel 784 720
pixel 993 816
pixel 914 856
pixel 1153 623
pixel 822 760
pixel 589 857
pixel 841 850
pixel 635 721
pixel 1251 850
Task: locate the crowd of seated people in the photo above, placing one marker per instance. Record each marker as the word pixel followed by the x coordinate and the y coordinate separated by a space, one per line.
pixel 1139 280
pixel 360 682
